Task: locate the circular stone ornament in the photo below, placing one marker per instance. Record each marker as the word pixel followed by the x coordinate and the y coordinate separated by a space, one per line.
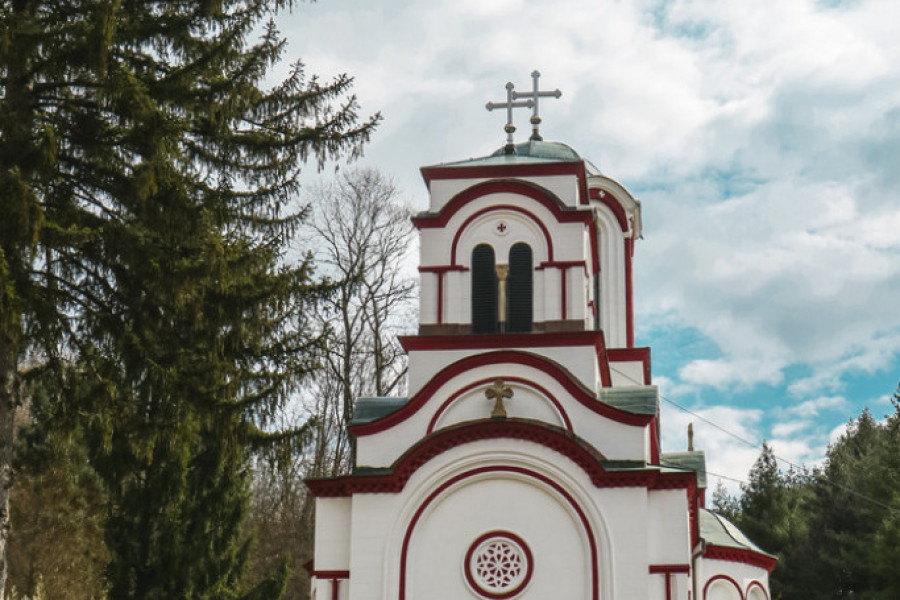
pixel 498 564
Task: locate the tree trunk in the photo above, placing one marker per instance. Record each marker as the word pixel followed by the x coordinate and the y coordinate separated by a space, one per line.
pixel 8 403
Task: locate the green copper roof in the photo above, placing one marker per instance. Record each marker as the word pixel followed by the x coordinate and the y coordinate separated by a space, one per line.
pixel 556 151
pixel 367 410
pixel 692 461
pixel 718 531
pixel 636 399
pixel 530 152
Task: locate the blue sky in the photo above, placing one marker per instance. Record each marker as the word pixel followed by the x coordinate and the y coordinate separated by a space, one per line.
pixel 763 139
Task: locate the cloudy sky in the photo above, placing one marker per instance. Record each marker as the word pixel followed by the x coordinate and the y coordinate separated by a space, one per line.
pixel 763 139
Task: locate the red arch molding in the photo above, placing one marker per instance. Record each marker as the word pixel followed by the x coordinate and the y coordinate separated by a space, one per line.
pixel 575 168
pixel 487 380
pixel 742 555
pixel 578 391
pixel 754 584
pixel 724 578
pixel 615 207
pixel 555 438
pixel 592 542
pixel 550 201
pixel 453 259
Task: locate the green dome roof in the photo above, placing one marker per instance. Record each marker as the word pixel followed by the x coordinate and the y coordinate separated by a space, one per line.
pixel 544 150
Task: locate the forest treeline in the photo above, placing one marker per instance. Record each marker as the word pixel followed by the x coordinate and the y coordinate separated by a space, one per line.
pixel 161 322
pixel 834 529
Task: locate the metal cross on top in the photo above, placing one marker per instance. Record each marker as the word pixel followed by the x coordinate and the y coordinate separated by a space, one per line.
pixel 497 392
pixel 532 102
pixel 535 94
pixel 509 105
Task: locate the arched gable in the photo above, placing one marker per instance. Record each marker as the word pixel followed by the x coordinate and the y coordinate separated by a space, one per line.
pixel 494 473
pixel 573 387
pixel 546 198
pixel 555 438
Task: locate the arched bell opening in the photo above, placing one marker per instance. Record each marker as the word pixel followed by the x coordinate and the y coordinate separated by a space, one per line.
pixel 484 291
pixel 520 289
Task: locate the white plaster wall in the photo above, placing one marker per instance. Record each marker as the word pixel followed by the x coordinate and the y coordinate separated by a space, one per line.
pixel 581 361
pixel 614 440
pixel 484 500
pixel 526 403
pixel 504 502
pixel 563 186
pixel 519 503
pixel 611 244
pixel 428 294
pixel 627 373
pixel 668 528
pixel 372 518
pixel 322 588
pixel 332 552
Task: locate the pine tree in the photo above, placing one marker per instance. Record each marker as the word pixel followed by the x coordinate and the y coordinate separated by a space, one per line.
pixel 147 181
pixel 58 502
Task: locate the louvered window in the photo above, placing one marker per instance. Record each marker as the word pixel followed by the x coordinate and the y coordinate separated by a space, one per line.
pixel 484 290
pixel 519 289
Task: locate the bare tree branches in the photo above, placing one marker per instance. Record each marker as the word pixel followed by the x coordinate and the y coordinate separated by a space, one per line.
pixel 362 235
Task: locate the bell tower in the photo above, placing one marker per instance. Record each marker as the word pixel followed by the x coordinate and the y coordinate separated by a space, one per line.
pixel 529 247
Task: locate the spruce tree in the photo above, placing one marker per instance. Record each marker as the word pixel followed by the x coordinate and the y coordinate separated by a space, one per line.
pixel 147 180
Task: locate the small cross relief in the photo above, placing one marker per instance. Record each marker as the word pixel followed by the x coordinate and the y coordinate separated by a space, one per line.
pixel 497 392
pixel 501 227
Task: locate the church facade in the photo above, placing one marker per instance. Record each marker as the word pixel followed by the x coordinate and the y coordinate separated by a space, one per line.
pixel 526 461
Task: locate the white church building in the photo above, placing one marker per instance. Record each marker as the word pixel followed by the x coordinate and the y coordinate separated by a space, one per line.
pixel 526 461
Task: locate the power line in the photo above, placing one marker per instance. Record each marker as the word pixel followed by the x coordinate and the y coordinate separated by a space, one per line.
pixel 758 446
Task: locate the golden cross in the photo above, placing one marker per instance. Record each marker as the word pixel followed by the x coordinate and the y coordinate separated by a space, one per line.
pixel 497 392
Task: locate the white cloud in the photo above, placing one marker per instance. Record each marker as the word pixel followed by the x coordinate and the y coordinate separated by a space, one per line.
pixel 726 454
pixel 787 428
pixel 762 137
pixel 811 408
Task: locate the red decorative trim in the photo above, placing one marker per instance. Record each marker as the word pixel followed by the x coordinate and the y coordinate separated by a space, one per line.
pixel 496 207
pixel 595 578
pixel 613 205
pixel 555 438
pixel 741 555
pixel 533 340
pixel 762 588
pixel 440 299
pixel 330 574
pixel 578 391
pixel 529 565
pixel 654 441
pixel 670 568
pixel 442 268
pixel 460 392
pixel 575 168
pixel 550 201
pixel 725 578
pixel 629 295
pixel 562 264
pixel 632 355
